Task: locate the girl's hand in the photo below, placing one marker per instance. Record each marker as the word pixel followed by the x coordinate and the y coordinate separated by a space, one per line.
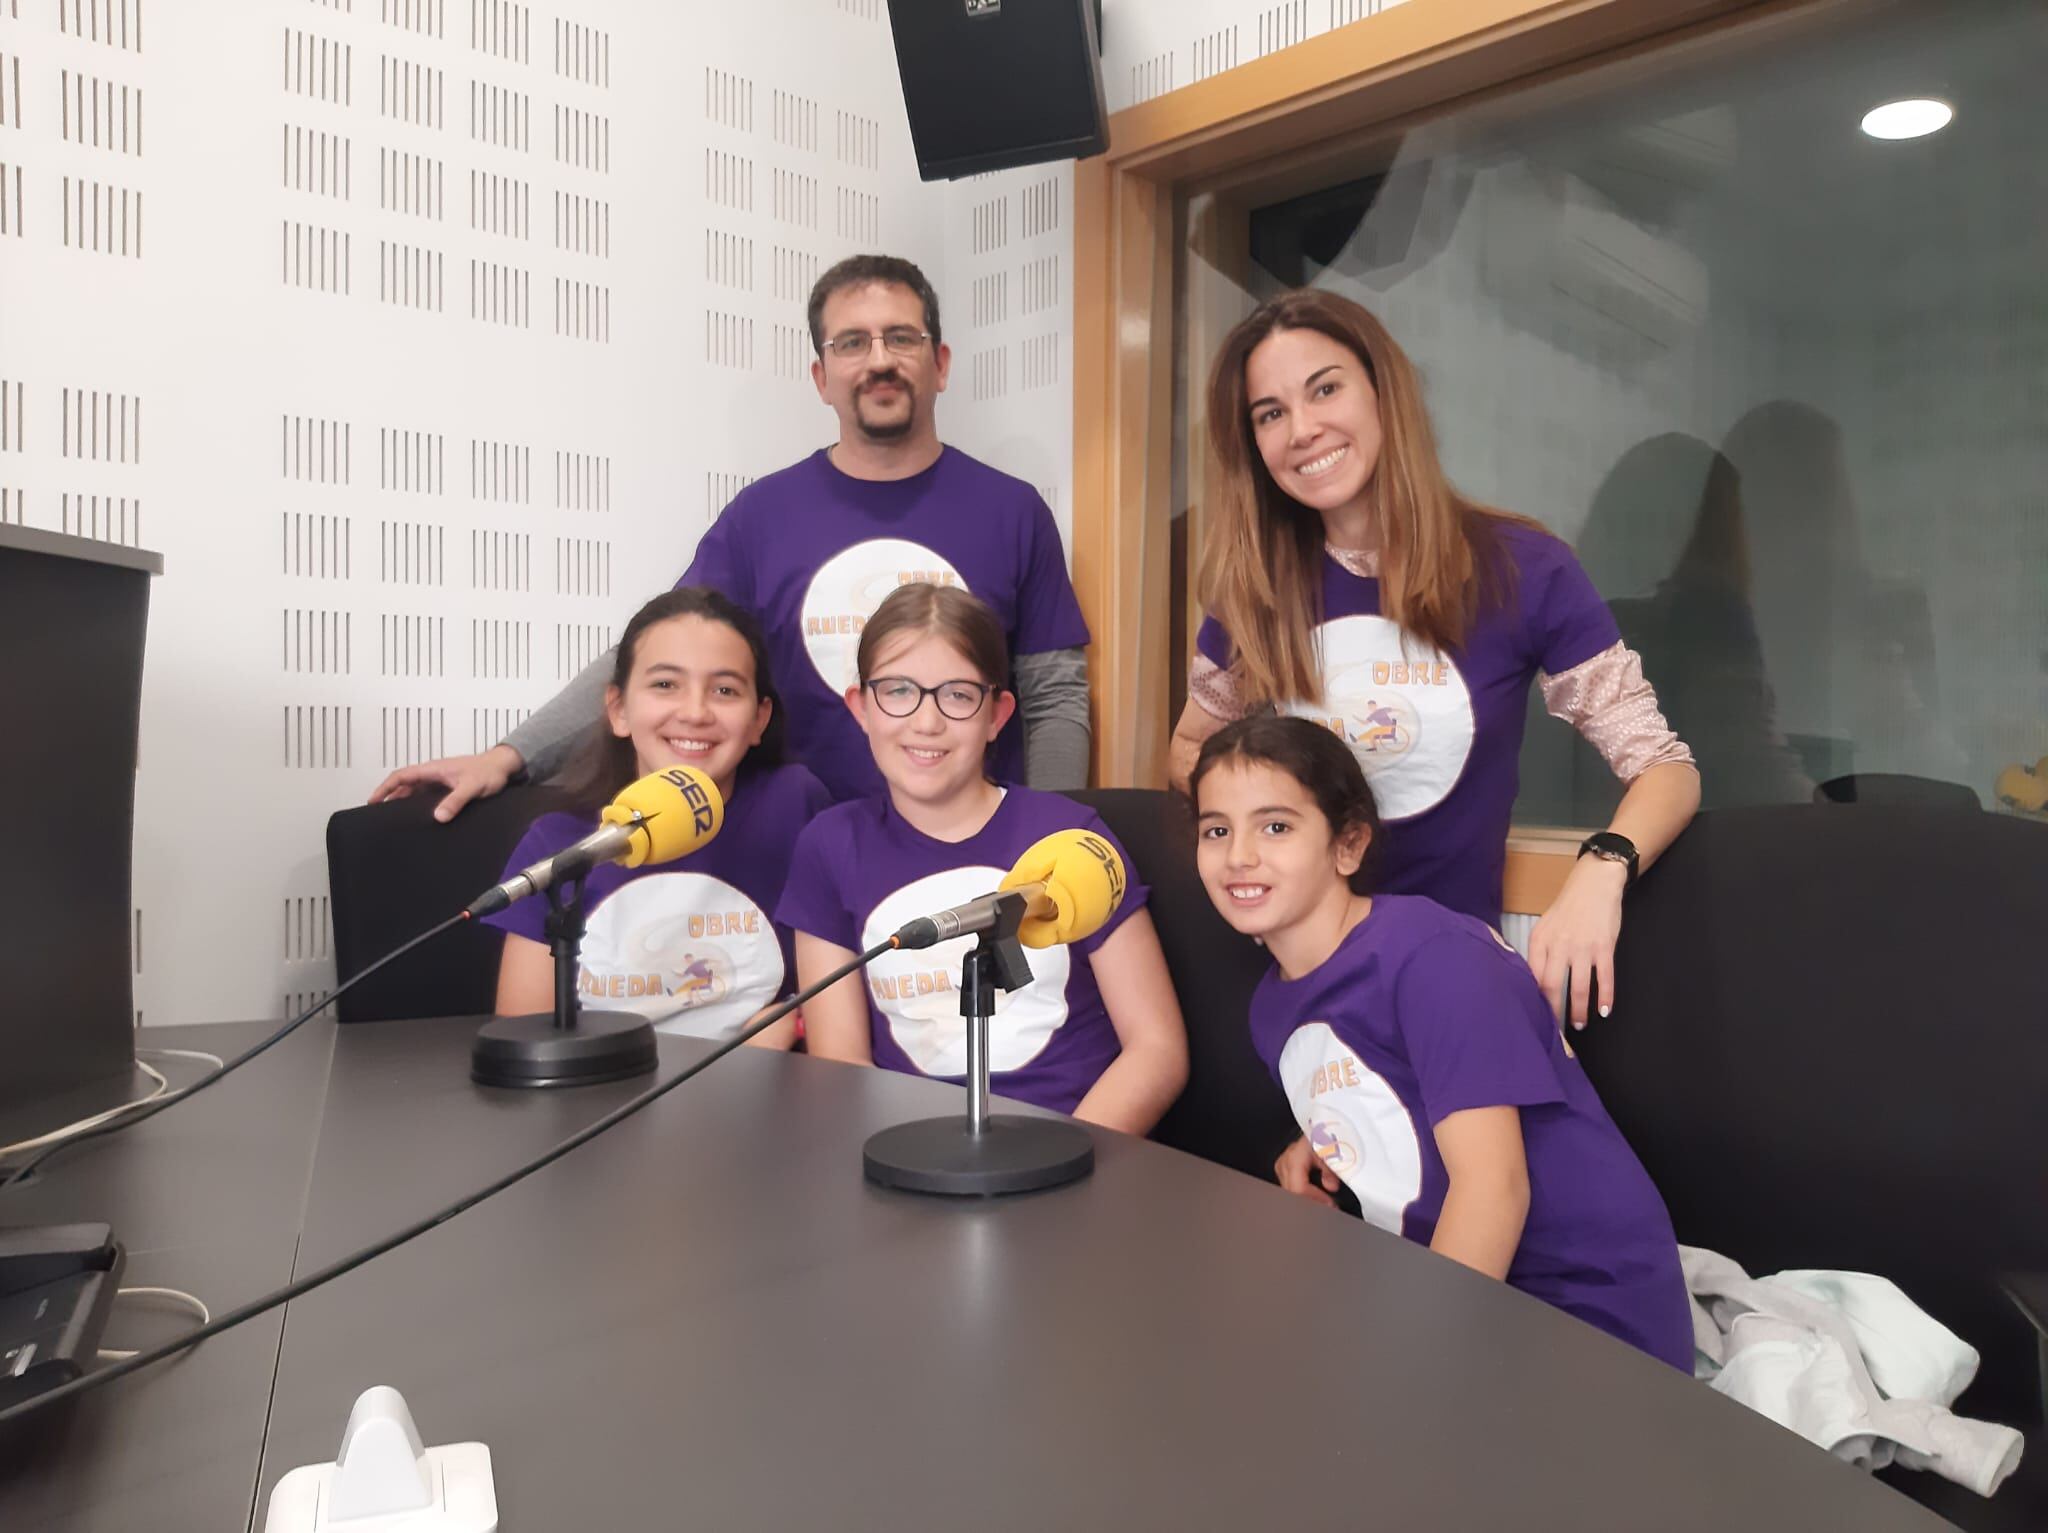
pixel 1572 947
pixel 1299 1170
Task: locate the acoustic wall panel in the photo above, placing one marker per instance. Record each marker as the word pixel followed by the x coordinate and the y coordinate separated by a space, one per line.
pixel 423 338
pixel 1151 47
pixel 1009 245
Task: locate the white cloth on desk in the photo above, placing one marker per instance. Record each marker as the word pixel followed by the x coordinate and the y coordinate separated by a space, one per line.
pixel 1847 1361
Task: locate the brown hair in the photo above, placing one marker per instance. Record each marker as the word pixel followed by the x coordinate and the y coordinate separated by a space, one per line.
pixel 962 620
pixel 605 762
pixel 1261 578
pixel 865 271
pixel 1314 757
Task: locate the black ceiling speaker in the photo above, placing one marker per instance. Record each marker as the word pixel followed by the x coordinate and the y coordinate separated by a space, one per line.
pixel 991 84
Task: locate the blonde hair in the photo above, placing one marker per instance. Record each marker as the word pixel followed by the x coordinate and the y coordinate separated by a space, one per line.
pixel 1261 574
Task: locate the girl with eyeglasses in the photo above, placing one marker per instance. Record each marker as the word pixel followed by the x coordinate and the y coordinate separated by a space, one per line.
pixel 1098 1032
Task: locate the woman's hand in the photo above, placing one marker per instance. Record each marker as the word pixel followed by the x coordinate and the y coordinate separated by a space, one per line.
pixel 1299 1169
pixel 1572 949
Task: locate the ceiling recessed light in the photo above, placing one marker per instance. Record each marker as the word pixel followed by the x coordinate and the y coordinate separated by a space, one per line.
pixel 1907 119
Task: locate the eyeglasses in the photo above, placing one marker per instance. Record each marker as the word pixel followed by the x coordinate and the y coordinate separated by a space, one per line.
pixel 900 697
pixel 901 341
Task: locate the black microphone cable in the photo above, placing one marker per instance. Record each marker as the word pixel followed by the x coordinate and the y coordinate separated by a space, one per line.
pixel 333 1270
pixel 149 1107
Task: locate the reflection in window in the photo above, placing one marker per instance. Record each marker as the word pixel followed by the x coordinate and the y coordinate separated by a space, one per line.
pixel 1780 384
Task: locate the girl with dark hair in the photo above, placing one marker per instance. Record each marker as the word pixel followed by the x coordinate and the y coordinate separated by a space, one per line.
pixel 1098 1032
pixel 1420 1059
pixel 689 943
pixel 1348 582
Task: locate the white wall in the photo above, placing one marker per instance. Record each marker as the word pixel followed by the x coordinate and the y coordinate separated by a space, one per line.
pixel 391 525
pixel 1152 46
pixel 1009 305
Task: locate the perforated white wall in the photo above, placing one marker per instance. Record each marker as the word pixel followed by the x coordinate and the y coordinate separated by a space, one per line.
pixel 423 338
pixel 1008 255
pixel 1150 47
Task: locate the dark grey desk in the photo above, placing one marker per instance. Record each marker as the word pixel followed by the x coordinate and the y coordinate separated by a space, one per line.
pixel 708 1319
pixel 208 1197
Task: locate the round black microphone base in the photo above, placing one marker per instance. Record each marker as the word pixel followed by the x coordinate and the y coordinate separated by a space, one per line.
pixel 1012 1154
pixel 532 1052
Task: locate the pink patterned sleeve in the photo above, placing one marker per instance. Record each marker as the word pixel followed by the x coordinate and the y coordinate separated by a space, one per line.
pixel 1215 689
pixel 1608 700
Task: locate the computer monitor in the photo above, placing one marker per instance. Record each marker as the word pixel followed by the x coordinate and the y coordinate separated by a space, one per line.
pixel 72 618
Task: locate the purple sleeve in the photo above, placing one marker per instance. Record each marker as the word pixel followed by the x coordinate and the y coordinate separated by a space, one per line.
pixel 1048 615
pixel 813 899
pixel 717 562
pixel 1211 641
pixel 1473 1036
pixel 1566 621
pixel 1136 893
pixel 817 798
pixel 544 837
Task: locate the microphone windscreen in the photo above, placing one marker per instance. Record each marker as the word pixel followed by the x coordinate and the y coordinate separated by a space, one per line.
pixel 1084 879
pixel 678 809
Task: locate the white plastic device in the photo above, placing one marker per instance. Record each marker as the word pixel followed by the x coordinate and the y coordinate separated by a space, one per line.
pixel 383 1481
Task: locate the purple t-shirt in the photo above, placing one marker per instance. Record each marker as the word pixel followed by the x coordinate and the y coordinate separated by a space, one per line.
pixel 1421 1013
pixel 812 552
pixel 1440 734
pixel 861 871
pixel 687 944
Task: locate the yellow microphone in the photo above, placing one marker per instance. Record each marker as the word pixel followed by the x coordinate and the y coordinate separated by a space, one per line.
pixel 665 815
pixel 1072 882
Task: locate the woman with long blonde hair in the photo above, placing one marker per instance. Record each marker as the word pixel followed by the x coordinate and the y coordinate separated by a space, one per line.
pixel 1346 581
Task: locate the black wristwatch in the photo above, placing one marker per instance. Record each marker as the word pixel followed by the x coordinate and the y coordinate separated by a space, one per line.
pixel 1609 847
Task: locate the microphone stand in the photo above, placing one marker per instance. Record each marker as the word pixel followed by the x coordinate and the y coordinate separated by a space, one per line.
pixel 983 1155
pixel 568 1046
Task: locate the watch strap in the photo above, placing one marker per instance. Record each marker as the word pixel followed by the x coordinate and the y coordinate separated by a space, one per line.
pixel 1612 847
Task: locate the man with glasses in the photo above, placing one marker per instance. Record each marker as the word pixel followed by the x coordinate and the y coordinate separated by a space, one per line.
pixel 813 549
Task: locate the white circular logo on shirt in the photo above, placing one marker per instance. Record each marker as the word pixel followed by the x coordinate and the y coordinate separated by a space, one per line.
pixel 918 993
pixel 847 589
pixel 1407 716
pixel 686 950
pixel 1355 1122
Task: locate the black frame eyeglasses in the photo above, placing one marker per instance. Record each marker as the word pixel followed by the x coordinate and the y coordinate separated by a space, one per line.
pixel 897 340
pixel 915 695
